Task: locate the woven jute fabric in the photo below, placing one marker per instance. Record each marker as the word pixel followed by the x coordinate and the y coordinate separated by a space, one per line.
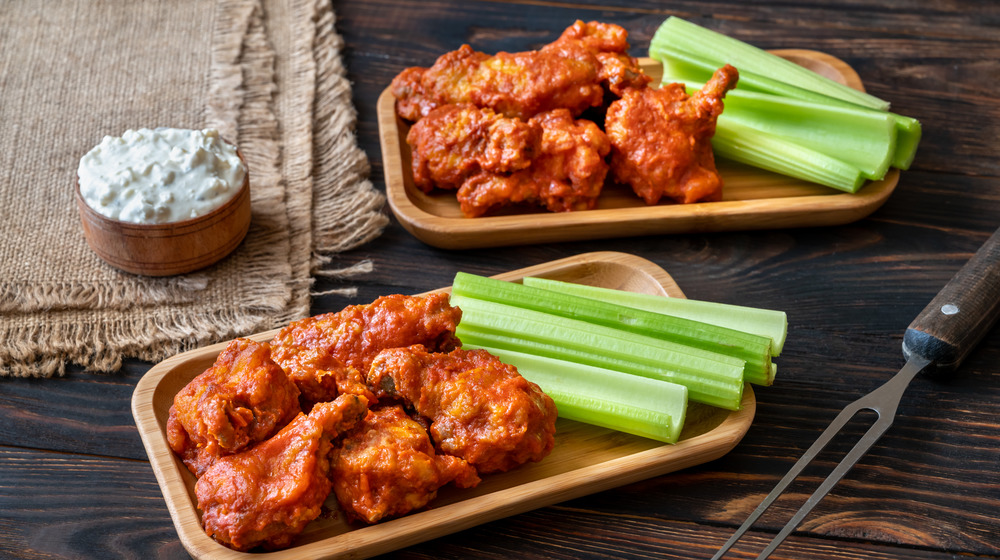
pixel 266 73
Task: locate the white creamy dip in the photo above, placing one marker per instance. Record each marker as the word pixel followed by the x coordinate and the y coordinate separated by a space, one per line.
pixel 158 176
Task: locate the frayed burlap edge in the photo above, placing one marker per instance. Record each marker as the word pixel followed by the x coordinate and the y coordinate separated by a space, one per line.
pixel 259 129
pixel 152 337
pixel 348 211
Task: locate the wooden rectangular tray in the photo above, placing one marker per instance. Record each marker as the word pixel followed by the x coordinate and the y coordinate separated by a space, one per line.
pixel 585 459
pixel 752 198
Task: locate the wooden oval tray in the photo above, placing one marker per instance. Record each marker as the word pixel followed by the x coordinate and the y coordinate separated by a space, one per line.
pixel 585 459
pixel 752 198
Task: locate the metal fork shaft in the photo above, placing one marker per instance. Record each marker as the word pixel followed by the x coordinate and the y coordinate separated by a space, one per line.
pixel 884 402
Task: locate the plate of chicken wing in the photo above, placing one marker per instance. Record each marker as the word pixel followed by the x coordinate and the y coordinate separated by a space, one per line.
pixel 359 432
pixel 578 140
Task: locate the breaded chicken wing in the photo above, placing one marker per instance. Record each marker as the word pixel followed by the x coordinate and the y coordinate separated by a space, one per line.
pixel 573 72
pixel 319 375
pixel 266 495
pixel 387 467
pixel 244 398
pixel 456 141
pixel 480 408
pixel 661 140
pixel 355 334
pixel 567 170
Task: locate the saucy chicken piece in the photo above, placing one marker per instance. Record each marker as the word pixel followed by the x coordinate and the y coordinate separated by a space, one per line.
pixel 661 139
pixel 387 467
pixel 566 173
pixel 319 376
pixel 480 408
pixel 244 398
pixel 568 73
pixel 456 141
pixel 617 71
pixel 266 495
pixel 355 334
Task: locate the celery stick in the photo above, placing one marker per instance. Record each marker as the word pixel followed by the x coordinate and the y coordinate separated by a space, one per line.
pixel 754 350
pixel 683 65
pixel 688 69
pixel 719 49
pixel 860 137
pixel 611 399
pixel 908 134
pixel 535 325
pixel 723 393
pixel 764 322
pixel 711 378
pixel 739 142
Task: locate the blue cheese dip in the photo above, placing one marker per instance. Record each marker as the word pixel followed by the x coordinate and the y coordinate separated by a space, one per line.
pixel 159 176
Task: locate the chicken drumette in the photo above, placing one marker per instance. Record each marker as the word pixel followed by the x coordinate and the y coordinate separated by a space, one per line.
pixel 456 141
pixel 266 495
pixel 244 398
pixel 573 72
pixel 661 140
pixel 567 170
pixel 552 160
pixel 480 409
pixel 318 374
pixel 354 335
pixel 387 467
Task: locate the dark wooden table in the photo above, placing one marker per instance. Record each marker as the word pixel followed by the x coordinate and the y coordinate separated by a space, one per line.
pixel 75 481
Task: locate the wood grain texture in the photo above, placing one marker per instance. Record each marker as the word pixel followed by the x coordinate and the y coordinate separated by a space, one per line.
pixel 75 481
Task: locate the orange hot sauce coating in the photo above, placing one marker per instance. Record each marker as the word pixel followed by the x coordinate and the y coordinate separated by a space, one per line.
pixel 573 73
pixel 242 399
pixel 357 333
pixel 265 496
pixel 567 170
pixel 661 140
pixel 387 467
pixel 456 141
pixel 480 408
pixel 318 374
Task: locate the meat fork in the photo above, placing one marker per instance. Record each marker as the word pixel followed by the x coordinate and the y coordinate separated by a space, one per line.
pixel 937 341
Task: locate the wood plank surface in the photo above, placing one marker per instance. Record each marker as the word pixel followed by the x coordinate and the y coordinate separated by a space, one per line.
pixel 75 481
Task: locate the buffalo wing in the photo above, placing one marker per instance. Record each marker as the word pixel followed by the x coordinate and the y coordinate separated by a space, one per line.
pixel 661 140
pixel 480 409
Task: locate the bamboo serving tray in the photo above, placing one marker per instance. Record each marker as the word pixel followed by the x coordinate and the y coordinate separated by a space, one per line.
pixel 752 198
pixel 586 458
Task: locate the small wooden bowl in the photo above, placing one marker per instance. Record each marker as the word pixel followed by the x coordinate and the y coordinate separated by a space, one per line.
pixel 170 248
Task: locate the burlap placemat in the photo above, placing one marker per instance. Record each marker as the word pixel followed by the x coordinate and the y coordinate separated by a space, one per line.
pixel 266 73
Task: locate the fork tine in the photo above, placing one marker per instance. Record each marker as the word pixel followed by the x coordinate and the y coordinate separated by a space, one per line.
pixel 884 400
pixel 860 448
pixel 817 446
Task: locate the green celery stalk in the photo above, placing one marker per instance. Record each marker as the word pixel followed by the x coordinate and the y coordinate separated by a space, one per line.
pixel 719 49
pixel 711 390
pixel 711 378
pixel 908 134
pixel 753 349
pixel 682 64
pixel 860 137
pixel 764 322
pixel 611 399
pixel 739 142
